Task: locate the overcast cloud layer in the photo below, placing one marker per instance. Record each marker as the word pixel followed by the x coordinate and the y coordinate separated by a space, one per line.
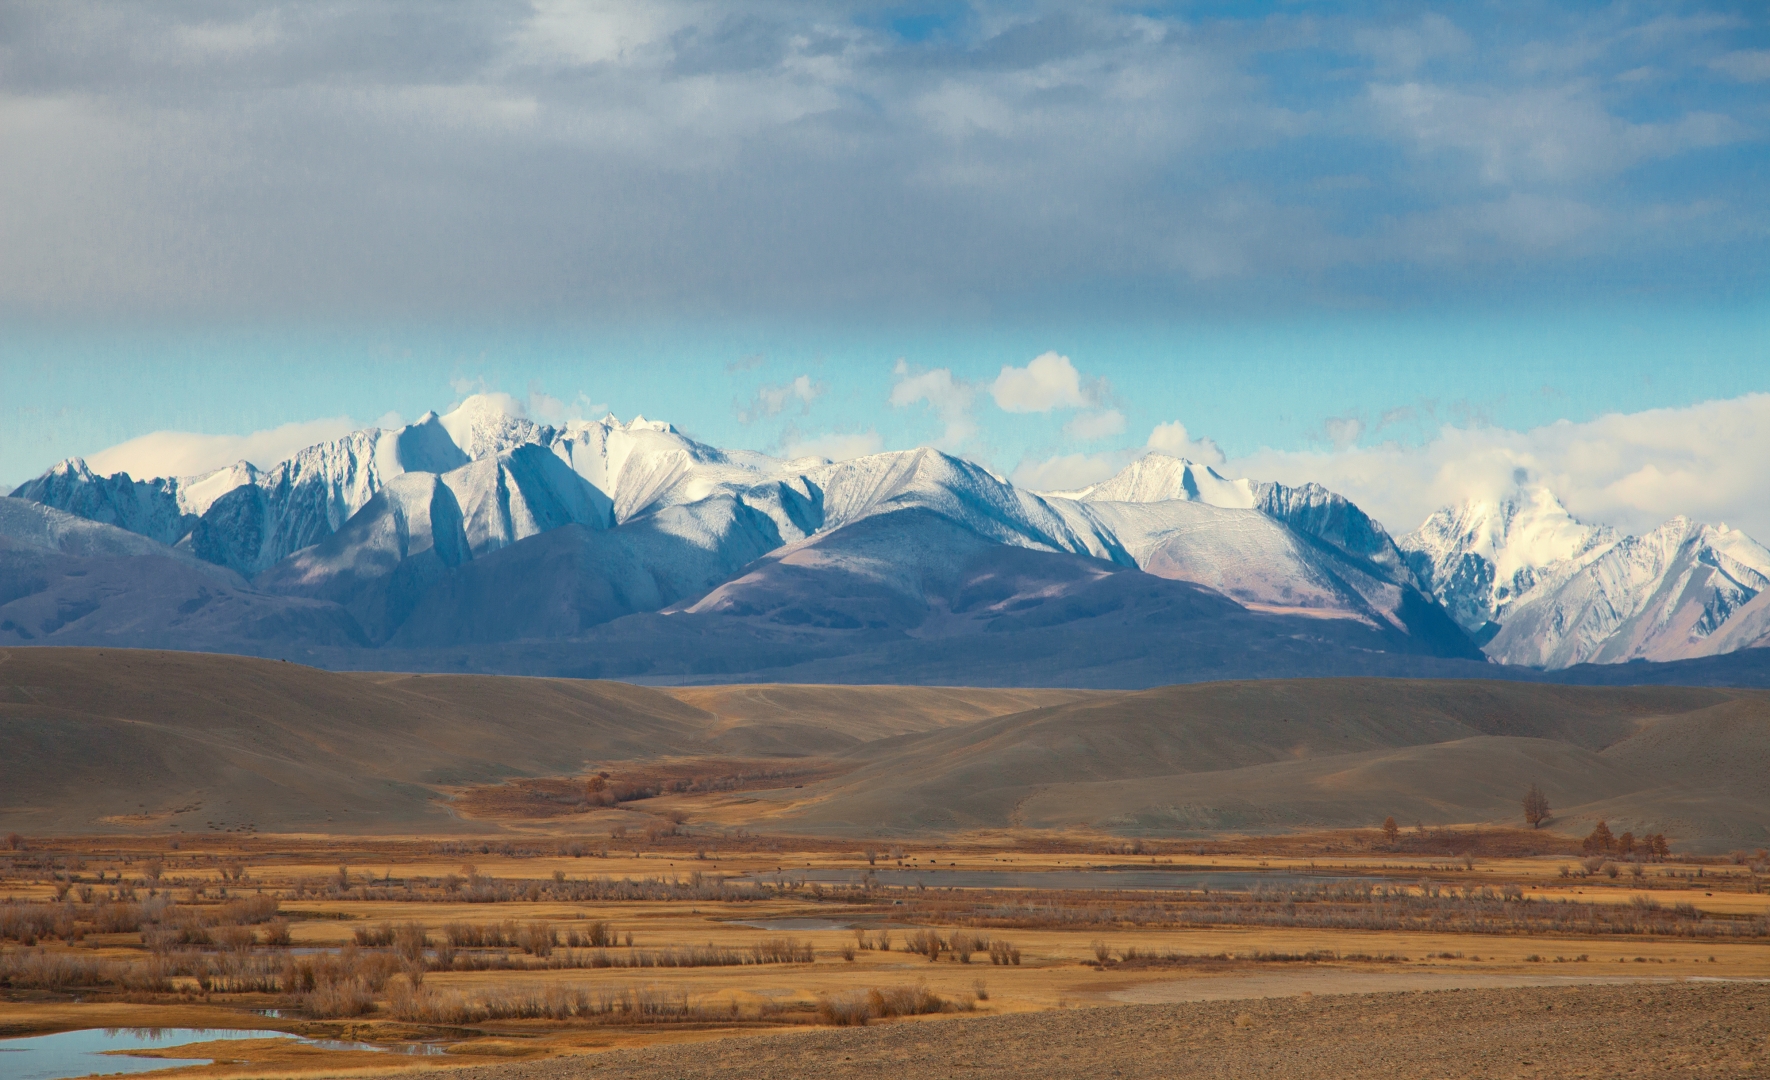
pixel 664 159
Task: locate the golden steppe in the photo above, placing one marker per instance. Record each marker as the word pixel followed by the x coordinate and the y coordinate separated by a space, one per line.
pixel 538 875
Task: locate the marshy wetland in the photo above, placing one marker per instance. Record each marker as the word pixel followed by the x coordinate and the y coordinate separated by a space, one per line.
pixel 395 954
pixel 367 873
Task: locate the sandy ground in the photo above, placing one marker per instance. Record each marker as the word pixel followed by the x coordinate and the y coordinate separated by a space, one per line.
pixel 1321 983
pixel 1661 1030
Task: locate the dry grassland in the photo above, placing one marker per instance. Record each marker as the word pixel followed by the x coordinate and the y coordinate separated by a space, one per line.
pixel 539 948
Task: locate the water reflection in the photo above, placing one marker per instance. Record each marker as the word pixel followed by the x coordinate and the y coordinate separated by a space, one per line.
pixel 88 1051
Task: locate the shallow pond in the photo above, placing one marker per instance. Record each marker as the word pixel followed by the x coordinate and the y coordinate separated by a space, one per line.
pixel 83 1053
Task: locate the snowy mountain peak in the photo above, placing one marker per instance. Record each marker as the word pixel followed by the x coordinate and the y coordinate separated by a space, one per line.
pixel 1479 556
pixel 1668 594
pixel 1159 478
pixel 408 507
pixel 485 424
pixel 74 466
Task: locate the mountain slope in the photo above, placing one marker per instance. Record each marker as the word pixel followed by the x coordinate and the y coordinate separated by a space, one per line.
pixel 1479 557
pixel 1540 588
pixel 1662 596
pixel 407 530
pixel 560 583
pixel 149 600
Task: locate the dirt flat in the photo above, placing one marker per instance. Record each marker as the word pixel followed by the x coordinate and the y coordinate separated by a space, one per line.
pixel 1707 1030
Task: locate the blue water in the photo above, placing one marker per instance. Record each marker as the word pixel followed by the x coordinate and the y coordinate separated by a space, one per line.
pixel 83 1053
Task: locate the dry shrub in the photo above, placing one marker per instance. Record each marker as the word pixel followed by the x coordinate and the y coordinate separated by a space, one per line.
pixel 28 924
pixel 852 1009
pixel 234 938
pixel 409 942
pixel 857 1007
pixel 551 1002
pixel 963 945
pixel 276 933
pixel 249 911
pixel 925 943
pixel 1002 952
pixel 537 939
pixel 337 1000
pixel 782 951
pixel 904 1001
pixel 373 937
pixel 339 984
pixel 38 970
pixel 594 935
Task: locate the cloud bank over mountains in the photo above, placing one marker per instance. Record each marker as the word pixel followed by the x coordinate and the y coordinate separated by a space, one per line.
pixel 1631 471
pixel 665 157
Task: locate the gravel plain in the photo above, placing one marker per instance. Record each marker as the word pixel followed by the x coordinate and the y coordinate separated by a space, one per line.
pixel 1646 1030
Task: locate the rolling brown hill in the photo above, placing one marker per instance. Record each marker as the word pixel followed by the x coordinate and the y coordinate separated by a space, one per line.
pixel 94 740
pixel 100 739
pixel 1276 754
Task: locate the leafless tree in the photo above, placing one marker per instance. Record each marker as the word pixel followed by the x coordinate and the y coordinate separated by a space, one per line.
pixel 1536 807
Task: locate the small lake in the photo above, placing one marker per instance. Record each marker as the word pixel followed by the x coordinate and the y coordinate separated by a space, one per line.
pixel 83 1053
pixel 935 878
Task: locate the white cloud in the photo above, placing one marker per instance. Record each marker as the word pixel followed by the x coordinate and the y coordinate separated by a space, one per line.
pixel 551 410
pixel 771 400
pixel 1535 134
pixel 1343 431
pixel 950 399
pixel 1089 426
pixel 481 399
pixel 1066 472
pixel 186 453
pixel 1631 470
pixel 1746 65
pixel 836 447
pixel 1171 439
pixel 1049 382
pixel 1406 47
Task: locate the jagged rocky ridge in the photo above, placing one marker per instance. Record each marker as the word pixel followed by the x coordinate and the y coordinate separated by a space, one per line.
pixel 1538 587
pixel 479 527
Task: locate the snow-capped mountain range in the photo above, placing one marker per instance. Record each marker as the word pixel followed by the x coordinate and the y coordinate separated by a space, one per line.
pixel 1540 588
pixel 485 528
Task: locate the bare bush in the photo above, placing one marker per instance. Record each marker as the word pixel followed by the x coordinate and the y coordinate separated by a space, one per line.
pixel 963 945
pixel 551 1002
pixel 852 1009
pixel 925 943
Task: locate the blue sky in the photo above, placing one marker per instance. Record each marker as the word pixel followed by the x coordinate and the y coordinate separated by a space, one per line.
pixel 1312 234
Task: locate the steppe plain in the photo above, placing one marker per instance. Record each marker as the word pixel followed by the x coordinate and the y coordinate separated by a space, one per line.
pixel 552 878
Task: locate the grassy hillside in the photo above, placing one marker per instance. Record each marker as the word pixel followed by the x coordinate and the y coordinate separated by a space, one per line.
pixel 105 738
pixel 94 739
pixel 1332 752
